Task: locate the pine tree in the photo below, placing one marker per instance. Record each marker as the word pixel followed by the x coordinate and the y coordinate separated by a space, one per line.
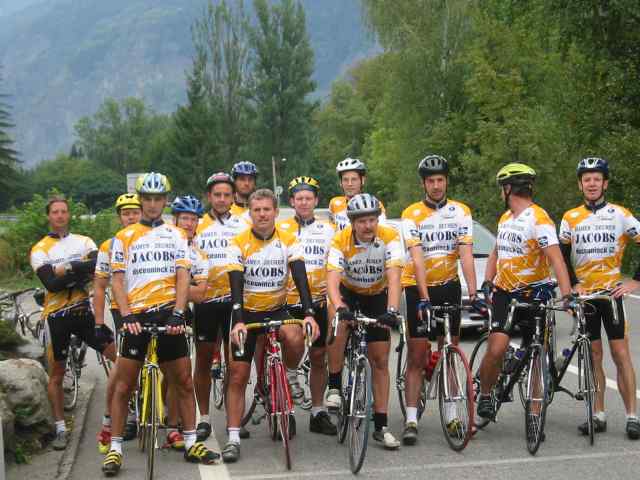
pixel 8 155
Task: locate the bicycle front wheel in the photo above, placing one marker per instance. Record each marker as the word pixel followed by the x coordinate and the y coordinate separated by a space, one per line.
pixel 537 399
pixel 586 381
pixel 360 415
pixel 70 382
pixel 283 408
pixel 455 396
pixel 218 386
pixel 478 353
pixel 153 420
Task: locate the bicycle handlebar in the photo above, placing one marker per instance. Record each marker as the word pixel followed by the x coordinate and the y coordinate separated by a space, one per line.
pixel 604 295
pixel 359 318
pixel 556 306
pixel 275 324
pixel 16 294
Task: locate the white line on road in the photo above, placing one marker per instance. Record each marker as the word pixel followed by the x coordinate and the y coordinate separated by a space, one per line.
pixel 610 383
pixel 452 465
pixel 212 472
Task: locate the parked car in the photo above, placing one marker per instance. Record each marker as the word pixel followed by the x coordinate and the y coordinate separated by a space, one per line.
pixel 483 243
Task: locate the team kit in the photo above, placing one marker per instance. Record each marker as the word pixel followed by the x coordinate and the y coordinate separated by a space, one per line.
pixel 213 274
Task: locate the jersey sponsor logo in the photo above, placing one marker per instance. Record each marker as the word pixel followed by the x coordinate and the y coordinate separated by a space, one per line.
pixel 156 256
pixel 543 242
pixel 314 250
pixel 595 237
pixel 507 236
pixel 211 243
pixel 119 257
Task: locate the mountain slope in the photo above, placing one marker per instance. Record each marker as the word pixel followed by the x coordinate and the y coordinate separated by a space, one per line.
pixel 62 58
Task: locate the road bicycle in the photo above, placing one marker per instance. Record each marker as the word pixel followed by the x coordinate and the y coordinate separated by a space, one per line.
pixel 451 381
pixel 149 399
pixel 218 379
pixel 272 388
pixel 356 395
pixel 527 366
pixel 581 344
pixel 17 316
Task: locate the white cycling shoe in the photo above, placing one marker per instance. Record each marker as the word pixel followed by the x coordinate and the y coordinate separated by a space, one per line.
pixel 333 400
pixel 386 438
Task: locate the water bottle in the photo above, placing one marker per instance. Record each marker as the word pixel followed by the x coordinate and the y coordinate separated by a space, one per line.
pixel 509 360
pixel 562 359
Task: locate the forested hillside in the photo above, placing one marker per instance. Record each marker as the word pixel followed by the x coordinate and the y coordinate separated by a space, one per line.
pixel 62 58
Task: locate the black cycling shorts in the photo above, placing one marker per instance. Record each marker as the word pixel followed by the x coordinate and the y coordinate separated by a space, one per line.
pixel 524 318
pixel 598 313
pixel 371 306
pixel 252 335
pixel 450 292
pixel 211 320
pixel 80 323
pixel 170 347
pixel 320 317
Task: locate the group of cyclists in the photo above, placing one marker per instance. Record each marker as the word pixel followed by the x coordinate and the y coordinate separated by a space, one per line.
pixel 237 264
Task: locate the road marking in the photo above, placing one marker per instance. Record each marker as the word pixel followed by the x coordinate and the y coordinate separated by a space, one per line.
pixel 610 383
pixel 212 472
pixel 452 465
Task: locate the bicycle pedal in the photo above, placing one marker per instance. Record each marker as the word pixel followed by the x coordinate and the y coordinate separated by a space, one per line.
pixel 579 396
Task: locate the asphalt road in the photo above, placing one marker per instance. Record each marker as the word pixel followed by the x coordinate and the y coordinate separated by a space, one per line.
pixel 499 451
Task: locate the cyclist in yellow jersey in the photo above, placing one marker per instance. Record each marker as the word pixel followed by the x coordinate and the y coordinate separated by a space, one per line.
pixel 315 237
pixel 150 262
pixel 129 211
pixel 186 211
pixel 65 262
pixel 593 238
pixel 526 248
pixel 213 315
pixel 441 232
pixel 363 273
pixel 244 176
pixel 353 175
pixel 261 259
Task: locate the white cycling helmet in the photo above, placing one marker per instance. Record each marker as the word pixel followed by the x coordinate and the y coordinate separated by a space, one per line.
pixel 350 165
pixel 363 204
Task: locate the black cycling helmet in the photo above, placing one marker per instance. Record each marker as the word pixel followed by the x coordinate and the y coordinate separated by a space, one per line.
pixel 593 164
pixel 433 165
pixel 220 177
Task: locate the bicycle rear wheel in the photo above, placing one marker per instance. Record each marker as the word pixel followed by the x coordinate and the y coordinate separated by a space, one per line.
pixel 478 353
pixel 456 400
pixel 537 399
pixel 401 370
pixel 152 425
pixel 70 381
pixel 586 380
pixel 359 417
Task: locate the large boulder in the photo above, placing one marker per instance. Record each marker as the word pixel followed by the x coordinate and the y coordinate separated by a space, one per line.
pixel 24 383
pixel 8 418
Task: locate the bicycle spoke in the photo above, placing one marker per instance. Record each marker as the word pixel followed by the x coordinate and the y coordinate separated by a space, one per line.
pixel 360 415
pixel 537 400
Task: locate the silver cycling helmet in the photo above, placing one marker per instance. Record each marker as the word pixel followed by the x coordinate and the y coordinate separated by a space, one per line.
pixel 351 165
pixel 433 165
pixel 363 204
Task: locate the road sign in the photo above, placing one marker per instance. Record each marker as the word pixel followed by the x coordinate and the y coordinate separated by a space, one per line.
pixel 131 182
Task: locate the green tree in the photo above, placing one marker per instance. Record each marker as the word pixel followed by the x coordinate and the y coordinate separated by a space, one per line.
pixel 8 156
pixel 283 66
pixel 118 135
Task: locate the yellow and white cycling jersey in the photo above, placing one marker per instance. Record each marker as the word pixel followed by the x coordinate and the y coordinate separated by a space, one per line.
pixel 242 212
pixel 519 244
pixel 598 240
pixel 199 264
pixel 338 213
pixel 54 251
pixel 440 232
pixel 265 264
pixel 149 257
pixel 213 237
pixel 363 265
pixel 315 239
pixel 103 266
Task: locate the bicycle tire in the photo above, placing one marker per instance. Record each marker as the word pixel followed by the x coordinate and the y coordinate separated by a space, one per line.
pixel 359 418
pixel 401 368
pixel 218 387
pixel 479 349
pixel 345 393
pixel 587 381
pixel 456 366
pixel 70 382
pixel 536 407
pixel 152 426
pixel 283 404
pixel 33 323
pixel 255 396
